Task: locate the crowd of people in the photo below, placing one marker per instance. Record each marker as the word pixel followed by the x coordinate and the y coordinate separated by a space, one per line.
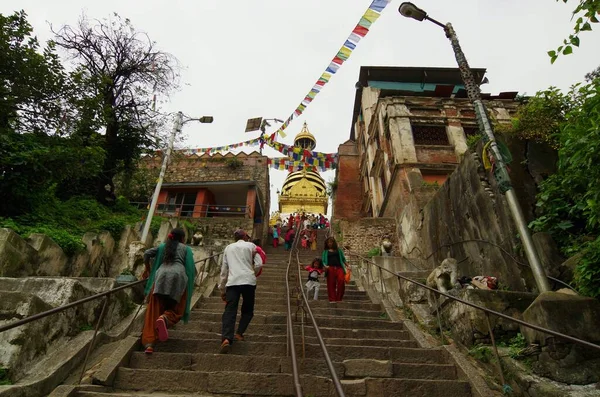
pixel 170 271
pixel 306 224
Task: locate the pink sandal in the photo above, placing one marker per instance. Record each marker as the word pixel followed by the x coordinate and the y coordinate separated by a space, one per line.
pixel 161 327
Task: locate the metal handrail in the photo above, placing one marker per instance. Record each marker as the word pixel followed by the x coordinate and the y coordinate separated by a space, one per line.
pixel 478 307
pixel 485 309
pixel 291 347
pixel 106 295
pixel 59 309
pixel 166 207
pixel 334 378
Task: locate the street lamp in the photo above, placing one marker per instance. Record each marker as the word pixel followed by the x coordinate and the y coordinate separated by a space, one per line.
pixel 179 122
pixel 410 10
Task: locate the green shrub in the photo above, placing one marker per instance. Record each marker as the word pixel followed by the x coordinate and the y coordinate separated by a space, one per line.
pixel 4 379
pixel 70 243
pixel 473 139
pixel 114 226
pixel 481 353
pixel 374 252
pixel 155 225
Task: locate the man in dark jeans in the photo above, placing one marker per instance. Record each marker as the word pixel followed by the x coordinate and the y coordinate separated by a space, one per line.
pixel 241 264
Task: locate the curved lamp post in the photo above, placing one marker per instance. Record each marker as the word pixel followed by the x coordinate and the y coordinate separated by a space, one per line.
pixel 410 10
pixel 179 122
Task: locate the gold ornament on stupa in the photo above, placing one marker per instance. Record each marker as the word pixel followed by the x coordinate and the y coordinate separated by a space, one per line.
pixel 304 190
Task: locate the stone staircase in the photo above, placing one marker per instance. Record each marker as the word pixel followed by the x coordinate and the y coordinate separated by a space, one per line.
pixel 372 355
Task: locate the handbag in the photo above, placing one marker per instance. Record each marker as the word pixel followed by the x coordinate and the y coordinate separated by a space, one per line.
pixel 348 275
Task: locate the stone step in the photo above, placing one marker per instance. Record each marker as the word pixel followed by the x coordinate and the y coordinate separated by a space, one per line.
pixel 279 286
pixel 353 340
pixel 265 364
pixel 410 353
pixel 346 304
pixel 331 322
pixel 222 382
pixel 332 310
pixel 269 294
pixel 256 330
pixel 246 383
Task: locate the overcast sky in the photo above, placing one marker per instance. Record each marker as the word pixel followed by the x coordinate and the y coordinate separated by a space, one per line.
pixel 245 59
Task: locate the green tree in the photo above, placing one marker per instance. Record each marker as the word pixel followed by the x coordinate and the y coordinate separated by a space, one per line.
pixel 541 116
pixel 586 12
pixel 120 69
pixel 569 201
pixel 33 79
pixel 34 94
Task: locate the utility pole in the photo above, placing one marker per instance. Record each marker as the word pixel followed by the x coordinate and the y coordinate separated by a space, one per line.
pixel 500 172
pixel 176 128
pixel 178 124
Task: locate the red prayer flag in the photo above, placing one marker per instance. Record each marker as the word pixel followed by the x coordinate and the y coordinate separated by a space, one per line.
pixel 360 30
pixel 338 60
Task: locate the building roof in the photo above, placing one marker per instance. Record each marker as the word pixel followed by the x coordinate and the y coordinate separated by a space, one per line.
pixel 419 75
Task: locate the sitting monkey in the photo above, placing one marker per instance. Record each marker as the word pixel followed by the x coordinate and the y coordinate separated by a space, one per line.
pixel 445 276
pixel 198 238
pixel 386 246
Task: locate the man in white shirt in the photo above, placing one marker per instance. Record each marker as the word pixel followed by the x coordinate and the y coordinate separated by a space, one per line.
pixel 241 264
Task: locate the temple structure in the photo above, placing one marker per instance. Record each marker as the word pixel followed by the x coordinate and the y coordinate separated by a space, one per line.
pixel 304 190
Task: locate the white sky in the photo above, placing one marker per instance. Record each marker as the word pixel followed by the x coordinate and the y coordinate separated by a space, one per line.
pixel 245 59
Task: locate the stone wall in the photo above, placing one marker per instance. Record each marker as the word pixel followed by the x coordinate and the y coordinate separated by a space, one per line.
pixel 21 347
pixel 469 326
pixel 466 219
pixel 362 235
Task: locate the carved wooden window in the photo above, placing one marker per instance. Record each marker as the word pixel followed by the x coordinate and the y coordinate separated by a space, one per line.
pixel 430 135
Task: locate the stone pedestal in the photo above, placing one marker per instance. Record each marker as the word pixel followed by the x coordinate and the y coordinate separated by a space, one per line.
pixel 571 315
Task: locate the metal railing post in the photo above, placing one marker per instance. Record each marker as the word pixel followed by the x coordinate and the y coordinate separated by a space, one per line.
pixel 498 364
pixel 437 312
pixel 93 341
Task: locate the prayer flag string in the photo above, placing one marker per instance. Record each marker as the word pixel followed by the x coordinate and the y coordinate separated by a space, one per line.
pixel 359 31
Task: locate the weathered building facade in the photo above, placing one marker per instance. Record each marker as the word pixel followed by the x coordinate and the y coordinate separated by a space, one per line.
pixel 409 128
pixel 221 192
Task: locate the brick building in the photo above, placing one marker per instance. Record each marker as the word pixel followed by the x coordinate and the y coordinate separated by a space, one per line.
pixel 409 128
pixel 217 190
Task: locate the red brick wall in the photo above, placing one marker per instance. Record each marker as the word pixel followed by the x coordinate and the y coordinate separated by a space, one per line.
pixel 436 154
pixel 348 196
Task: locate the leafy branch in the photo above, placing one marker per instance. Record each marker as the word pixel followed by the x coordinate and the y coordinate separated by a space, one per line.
pixel 590 10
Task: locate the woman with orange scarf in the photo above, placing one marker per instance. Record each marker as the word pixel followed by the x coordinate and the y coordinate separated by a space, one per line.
pixel 170 287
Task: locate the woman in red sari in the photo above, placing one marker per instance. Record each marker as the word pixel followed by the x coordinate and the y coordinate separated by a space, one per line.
pixel 169 288
pixel 335 261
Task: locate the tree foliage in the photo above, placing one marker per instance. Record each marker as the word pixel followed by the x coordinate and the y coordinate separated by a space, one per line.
pixel 119 70
pixel 587 13
pixel 33 79
pixel 33 157
pixel 540 117
pixel 569 201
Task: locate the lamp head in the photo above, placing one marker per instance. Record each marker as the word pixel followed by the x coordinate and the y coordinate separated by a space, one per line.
pixel 206 119
pixel 410 10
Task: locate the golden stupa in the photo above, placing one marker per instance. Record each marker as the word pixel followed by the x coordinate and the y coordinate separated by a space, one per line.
pixel 304 190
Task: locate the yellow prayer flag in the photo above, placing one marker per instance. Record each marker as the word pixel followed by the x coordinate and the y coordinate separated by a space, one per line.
pixel 345 52
pixel 371 15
